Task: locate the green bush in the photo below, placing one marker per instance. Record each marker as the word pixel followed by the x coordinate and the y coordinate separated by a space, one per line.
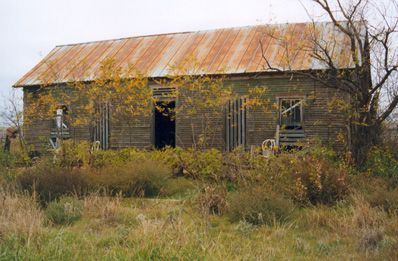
pixel 178 187
pixel 143 179
pixel 207 164
pixel 259 205
pixel 17 157
pixel 104 158
pixel 383 162
pixel 64 211
pixel 7 160
pixel 73 154
pixel 51 181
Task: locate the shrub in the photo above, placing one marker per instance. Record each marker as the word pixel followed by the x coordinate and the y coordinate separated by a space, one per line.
pixel 238 162
pixel 178 187
pixel 212 201
pixel 73 153
pixel 259 205
pixel 20 215
pixel 6 159
pixel 307 178
pixel 52 182
pixel 103 158
pixel 64 211
pixel 144 179
pixel 207 164
pixel 319 181
pixel 382 162
pixel 16 157
pixel 318 151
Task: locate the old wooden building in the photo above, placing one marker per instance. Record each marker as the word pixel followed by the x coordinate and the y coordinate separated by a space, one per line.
pixel 301 104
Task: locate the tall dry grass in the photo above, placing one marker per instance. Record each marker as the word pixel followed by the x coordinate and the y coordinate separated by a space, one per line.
pixel 358 220
pixel 368 223
pixel 20 215
pixel 105 209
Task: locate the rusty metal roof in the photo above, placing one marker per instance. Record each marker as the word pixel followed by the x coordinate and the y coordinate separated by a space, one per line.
pixel 221 51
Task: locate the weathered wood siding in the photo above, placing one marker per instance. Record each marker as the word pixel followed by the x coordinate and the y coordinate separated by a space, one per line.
pixel 123 133
pixel 36 131
pixel 131 132
pixel 319 122
pixel 190 127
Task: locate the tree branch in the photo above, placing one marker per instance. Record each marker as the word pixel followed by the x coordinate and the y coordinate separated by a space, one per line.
pixel 389 109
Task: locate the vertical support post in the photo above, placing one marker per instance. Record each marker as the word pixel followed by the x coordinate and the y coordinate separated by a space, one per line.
pixel 239 125
pixel 106 126
pixel 226 127
pixel 244 123
pixel 230 125
pixel 233 120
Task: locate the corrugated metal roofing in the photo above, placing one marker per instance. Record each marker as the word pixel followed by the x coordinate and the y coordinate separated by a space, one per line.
pixel 220 51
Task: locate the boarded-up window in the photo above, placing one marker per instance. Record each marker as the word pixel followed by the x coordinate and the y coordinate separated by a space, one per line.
pixel 102 125
pixel 235 124
pixel 291 113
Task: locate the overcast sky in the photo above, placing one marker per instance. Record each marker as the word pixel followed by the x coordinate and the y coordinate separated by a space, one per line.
pixel 30 29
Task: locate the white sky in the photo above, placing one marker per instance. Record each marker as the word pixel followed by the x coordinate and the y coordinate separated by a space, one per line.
pixel 29 29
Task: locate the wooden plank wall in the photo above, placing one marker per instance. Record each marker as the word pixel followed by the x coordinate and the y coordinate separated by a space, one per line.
pixel 131 132
pixel 190 126
pixel 319 122
pixel 36 131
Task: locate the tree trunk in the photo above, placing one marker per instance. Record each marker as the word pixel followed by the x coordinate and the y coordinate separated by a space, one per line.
pixel 363 138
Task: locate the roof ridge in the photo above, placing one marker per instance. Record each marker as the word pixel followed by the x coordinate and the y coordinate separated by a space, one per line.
pixel 122 38
pixel 184 32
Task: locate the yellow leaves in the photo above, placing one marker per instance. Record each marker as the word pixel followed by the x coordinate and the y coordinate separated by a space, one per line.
pixel 128 94
pixel 257 99
pixel 339 104
pixel 79 121
pixel 41 105
pixel 341 138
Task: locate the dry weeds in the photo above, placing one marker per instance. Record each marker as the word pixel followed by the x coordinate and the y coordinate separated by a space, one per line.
pixel 20 215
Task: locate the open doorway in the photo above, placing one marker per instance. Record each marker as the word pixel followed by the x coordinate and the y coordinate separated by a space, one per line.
pixel 165 124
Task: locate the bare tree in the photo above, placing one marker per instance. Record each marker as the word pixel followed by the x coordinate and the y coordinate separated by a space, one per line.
pixel 12 115
pixel 370 28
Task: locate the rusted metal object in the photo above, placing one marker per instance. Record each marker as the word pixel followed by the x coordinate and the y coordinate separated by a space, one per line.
pixel 221 51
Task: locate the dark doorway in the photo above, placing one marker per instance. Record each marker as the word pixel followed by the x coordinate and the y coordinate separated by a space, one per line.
pixel 165 126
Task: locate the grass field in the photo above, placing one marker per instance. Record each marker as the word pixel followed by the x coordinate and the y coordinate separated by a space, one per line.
pixel 158 229
pixel 301 206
